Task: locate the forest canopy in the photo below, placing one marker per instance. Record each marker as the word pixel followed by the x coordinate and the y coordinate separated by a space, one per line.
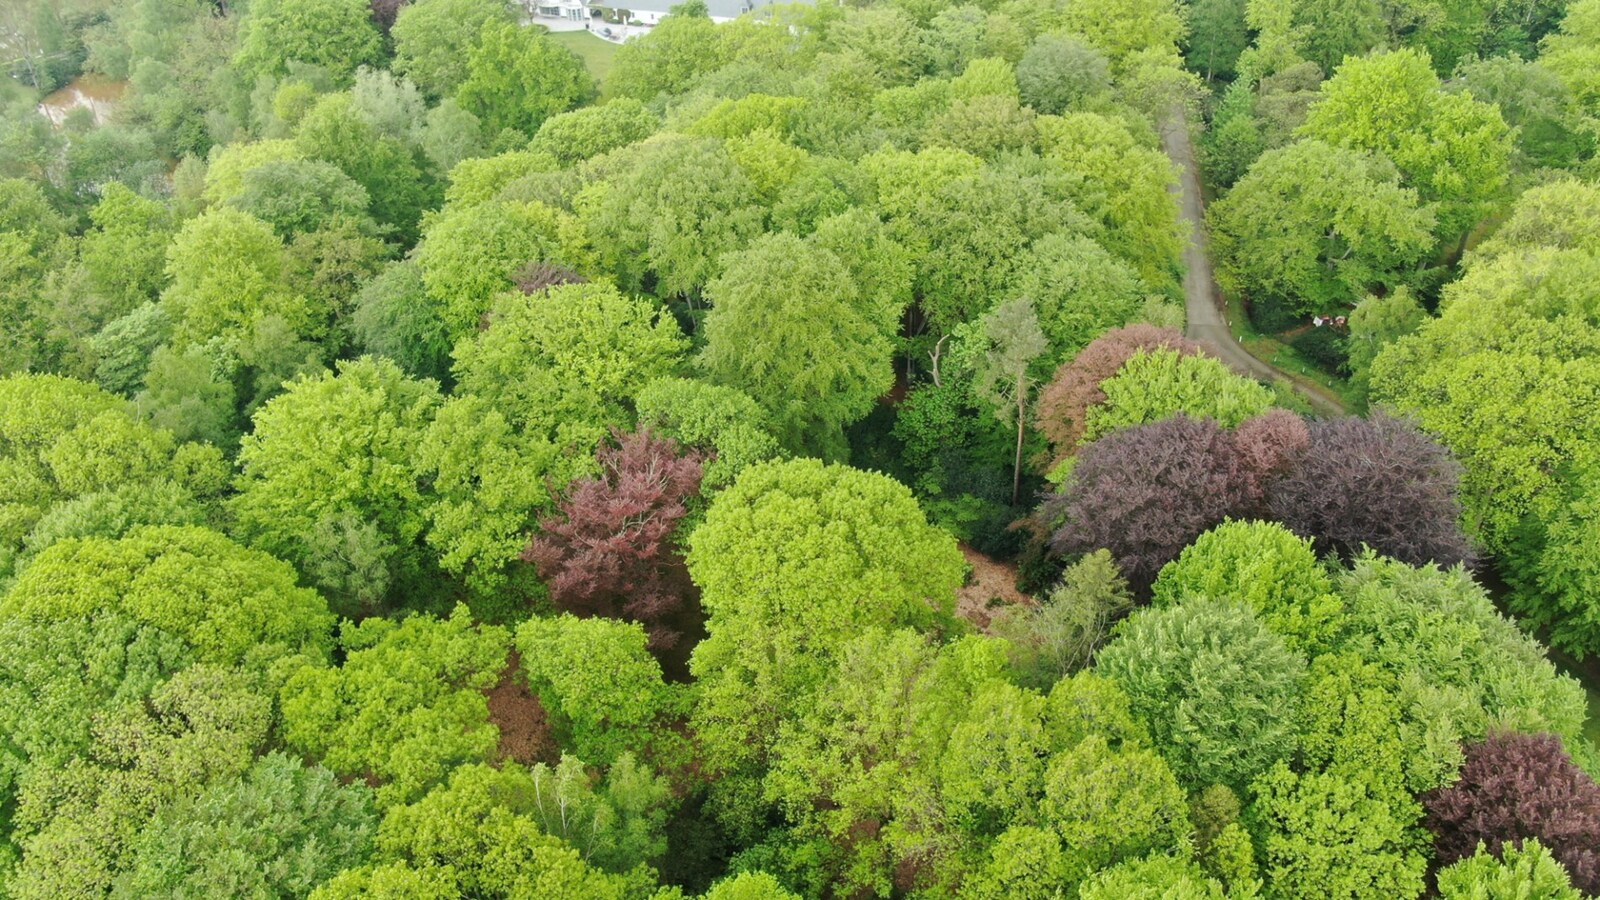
pixel 453 451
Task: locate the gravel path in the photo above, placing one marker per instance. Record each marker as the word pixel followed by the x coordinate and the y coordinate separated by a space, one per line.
pixel 1202 300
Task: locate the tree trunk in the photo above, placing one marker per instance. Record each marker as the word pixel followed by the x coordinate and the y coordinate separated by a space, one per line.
pixel 1016 467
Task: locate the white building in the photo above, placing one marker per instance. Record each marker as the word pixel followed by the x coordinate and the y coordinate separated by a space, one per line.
pixel 643 12
pixel 570 10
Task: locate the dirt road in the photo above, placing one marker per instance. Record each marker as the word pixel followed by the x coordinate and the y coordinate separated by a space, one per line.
pixel 1202 300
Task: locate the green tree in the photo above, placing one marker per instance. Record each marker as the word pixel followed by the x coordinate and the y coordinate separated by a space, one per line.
pixel 601 687
pixel 1060 636
pixel 1013 342
pixel 396 177
pixel 1329 31
pixel 405 708
pixel 280 829
pixel 787 326
pixel 517 78
pixel 394 317
pixel 301 196
pixel 1216 687
pixel 1317 226
pixel 1572 53
pixel 670 56
pixel 1453 150
pixel 1265 565
pixel 672 207
pixel 1060 72
pixel 1217 35
pixel 1080 291
pixel 337 35
pixel 337 449
pixel 433 40
pixel 567 360
pixel 124 255
pixel 1155 877
pixel 1377 321
pixel 777 611
pixel 62 439
pixel 1526 871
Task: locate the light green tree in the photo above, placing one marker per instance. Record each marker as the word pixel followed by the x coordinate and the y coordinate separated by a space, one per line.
pixel 601 687
pixel 581 134
pixel 1526 871
pixel 469 253
pixel 1453 150
pixel 720 420
pixel 1267 566
pixel 1318 226
pixel 337 35
pixel 787 326
pixel 792 561
pixel 1154 385
pixel 517 78
pixel 433 40
pixel 228 273
pixel 1060 636
pixel 405 708
pixel 567 360
pixel 1124 184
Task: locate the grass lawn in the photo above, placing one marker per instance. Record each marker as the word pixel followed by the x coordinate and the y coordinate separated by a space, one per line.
pixel 597 53
pixel 1281 355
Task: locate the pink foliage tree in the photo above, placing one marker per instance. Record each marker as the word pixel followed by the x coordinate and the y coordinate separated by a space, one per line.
pixel 609 551
pixel 1063 405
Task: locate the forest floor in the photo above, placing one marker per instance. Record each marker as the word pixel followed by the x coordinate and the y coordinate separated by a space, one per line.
pixel 1202 299
pixel 991 585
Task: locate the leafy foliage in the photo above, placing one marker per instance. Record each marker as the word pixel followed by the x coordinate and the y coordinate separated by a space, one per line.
pixel 610 551
pixel 405 708
pixel 1516 787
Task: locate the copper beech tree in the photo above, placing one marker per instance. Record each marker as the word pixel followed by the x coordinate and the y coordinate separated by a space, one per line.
pixel 610 551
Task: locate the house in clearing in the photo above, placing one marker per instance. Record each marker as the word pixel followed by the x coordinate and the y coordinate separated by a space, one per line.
pixel 644 12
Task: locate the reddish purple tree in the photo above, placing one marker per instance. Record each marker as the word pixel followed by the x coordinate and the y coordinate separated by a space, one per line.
pixel 1378 482
pixel 1518 786
pixel 609 551
pixel 1146 492
pixel 540 276
pixel 1270 445
pixel 384 12
pixel 1063 406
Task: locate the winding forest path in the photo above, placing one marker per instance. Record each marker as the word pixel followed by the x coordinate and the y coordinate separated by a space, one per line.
pixel 1201 297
